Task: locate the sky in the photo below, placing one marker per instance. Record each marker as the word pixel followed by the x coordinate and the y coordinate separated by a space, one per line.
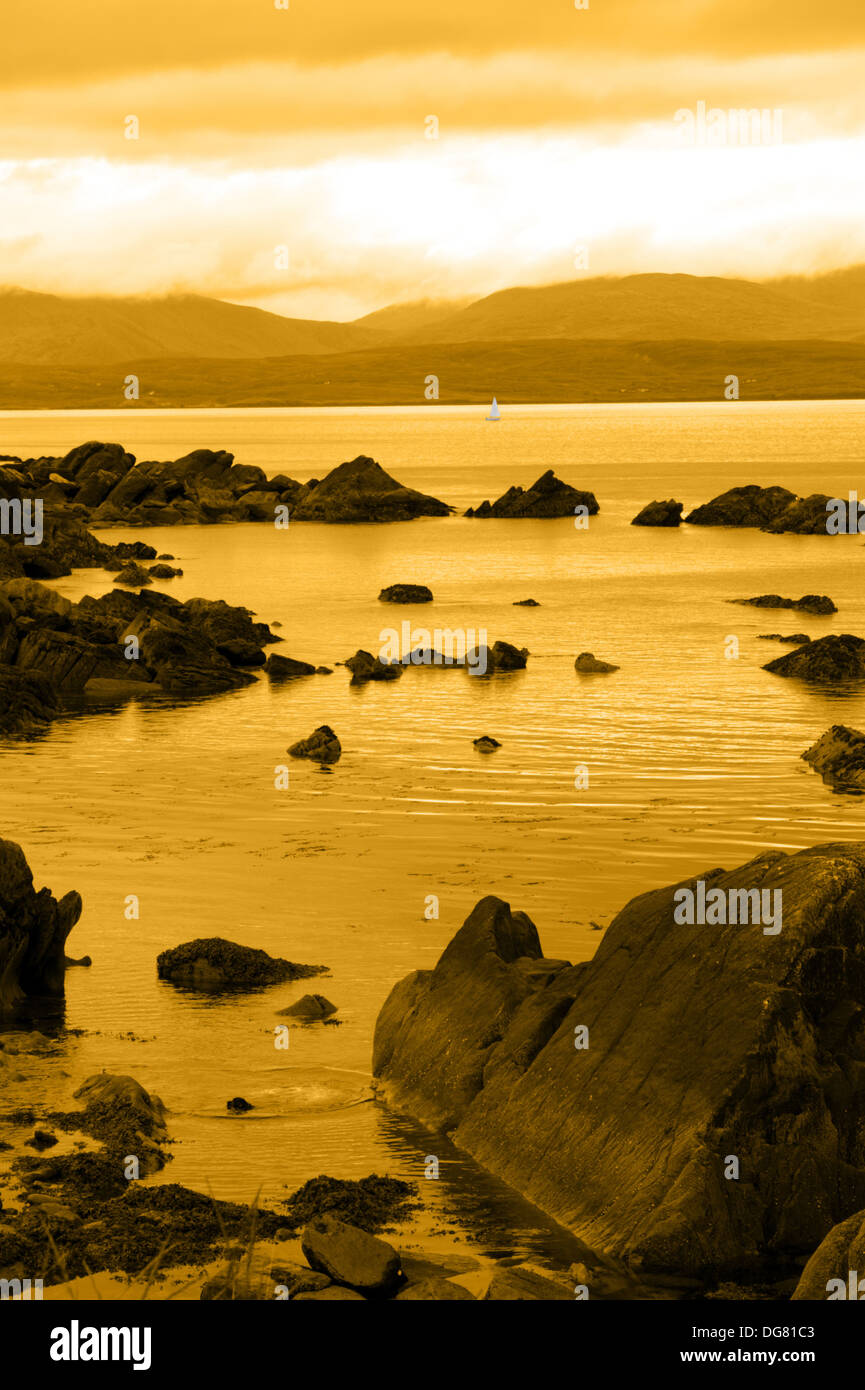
pixel 324 158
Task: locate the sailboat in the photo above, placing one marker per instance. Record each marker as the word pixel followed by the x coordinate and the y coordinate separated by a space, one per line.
pixel 495 413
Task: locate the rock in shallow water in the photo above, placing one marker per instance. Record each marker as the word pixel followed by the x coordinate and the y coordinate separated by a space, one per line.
pixel 828 659
pixel 406 593
pixel 547 497
pixel 310 1007
pixel 350 1256
pixel 818 604
pixel 589 664
pixel 668 513
pixel 33 931
pixel 322 746
pixel 751 1046
pixel 213 964
pixel 839 757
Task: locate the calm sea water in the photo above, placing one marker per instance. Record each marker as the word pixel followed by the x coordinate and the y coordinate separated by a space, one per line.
pixel 693 758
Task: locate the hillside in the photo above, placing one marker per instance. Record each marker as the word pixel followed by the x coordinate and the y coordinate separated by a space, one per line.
pixel 49 328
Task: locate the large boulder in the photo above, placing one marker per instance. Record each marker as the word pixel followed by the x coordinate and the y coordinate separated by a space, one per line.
pixel 212 964
pixel 280 668
pixel 352 1257
pixel 33 931
pixel 547 497
pixel 362 491
pixel 617 1094
pixel 828 659
pixel 839 757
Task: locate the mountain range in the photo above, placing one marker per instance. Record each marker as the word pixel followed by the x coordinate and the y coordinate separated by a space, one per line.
pixel 598 338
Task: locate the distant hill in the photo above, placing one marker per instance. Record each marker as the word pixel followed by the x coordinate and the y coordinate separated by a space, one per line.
pixel 469 373
pixel 662 307
pixel 49 328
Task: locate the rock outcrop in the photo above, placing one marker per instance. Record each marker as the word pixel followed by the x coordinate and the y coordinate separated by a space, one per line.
pixel 322 746
pixel 770 508
pixel 834 658
pixel 839 757
pixel 667 513
pixel 486 744
pixel 311 1008
pixel 119 644
pixel 33 931
pixel 612 1094
pixel 548 497
pixel 795 639
pixel 103 485
pixel 406 593
pixel 212 964
pixel 366 667
pixel 362 491
pixel 818 604
pixel 501 656
pixel 281 668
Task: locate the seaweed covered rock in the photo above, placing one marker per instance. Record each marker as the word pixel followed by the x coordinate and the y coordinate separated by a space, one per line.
pixel 34 927
pixel 619 1119
pixel 839 757
pixel 213 964
pixel 547 497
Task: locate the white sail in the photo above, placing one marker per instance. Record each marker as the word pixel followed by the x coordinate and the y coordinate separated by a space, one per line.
pixel 495 413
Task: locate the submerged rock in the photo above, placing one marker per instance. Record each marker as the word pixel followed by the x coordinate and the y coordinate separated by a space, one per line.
pixel 587 664
pixel 238 1105
pixel 33 931
pixel 668 513
pixel 322 746
pixel 310 1008
pixel 485 744
pixel 834 658
pixel 619 1120
pixel 352 1257
pixel 818 604
pixel 406 593
pixel 212 964
pixel 547 497
pixel 796 639
pixel 525 603
pixel 839 757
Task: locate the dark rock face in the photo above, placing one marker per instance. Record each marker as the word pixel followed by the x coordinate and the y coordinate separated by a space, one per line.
pixel 238 1105
pixel 548 497
pixel 806 516
pixel 525 603
pixel 406 593
pixel 281 668
pixel 366 667
pixel 817 604
pixel 351 1257
pixel 240 653
pixel 322 746
pixel 588 664
pixel 744 506
pixel 828 659
pixel 668 513
pixel 66 545
pixel 28 702
pixel 836 1270
pixel 362 491
pixel 311 1007
pixel 33 931
pixel 753 1047
pixel 839 757
pixel 212 964
pixel 486 744
pixel 164 572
